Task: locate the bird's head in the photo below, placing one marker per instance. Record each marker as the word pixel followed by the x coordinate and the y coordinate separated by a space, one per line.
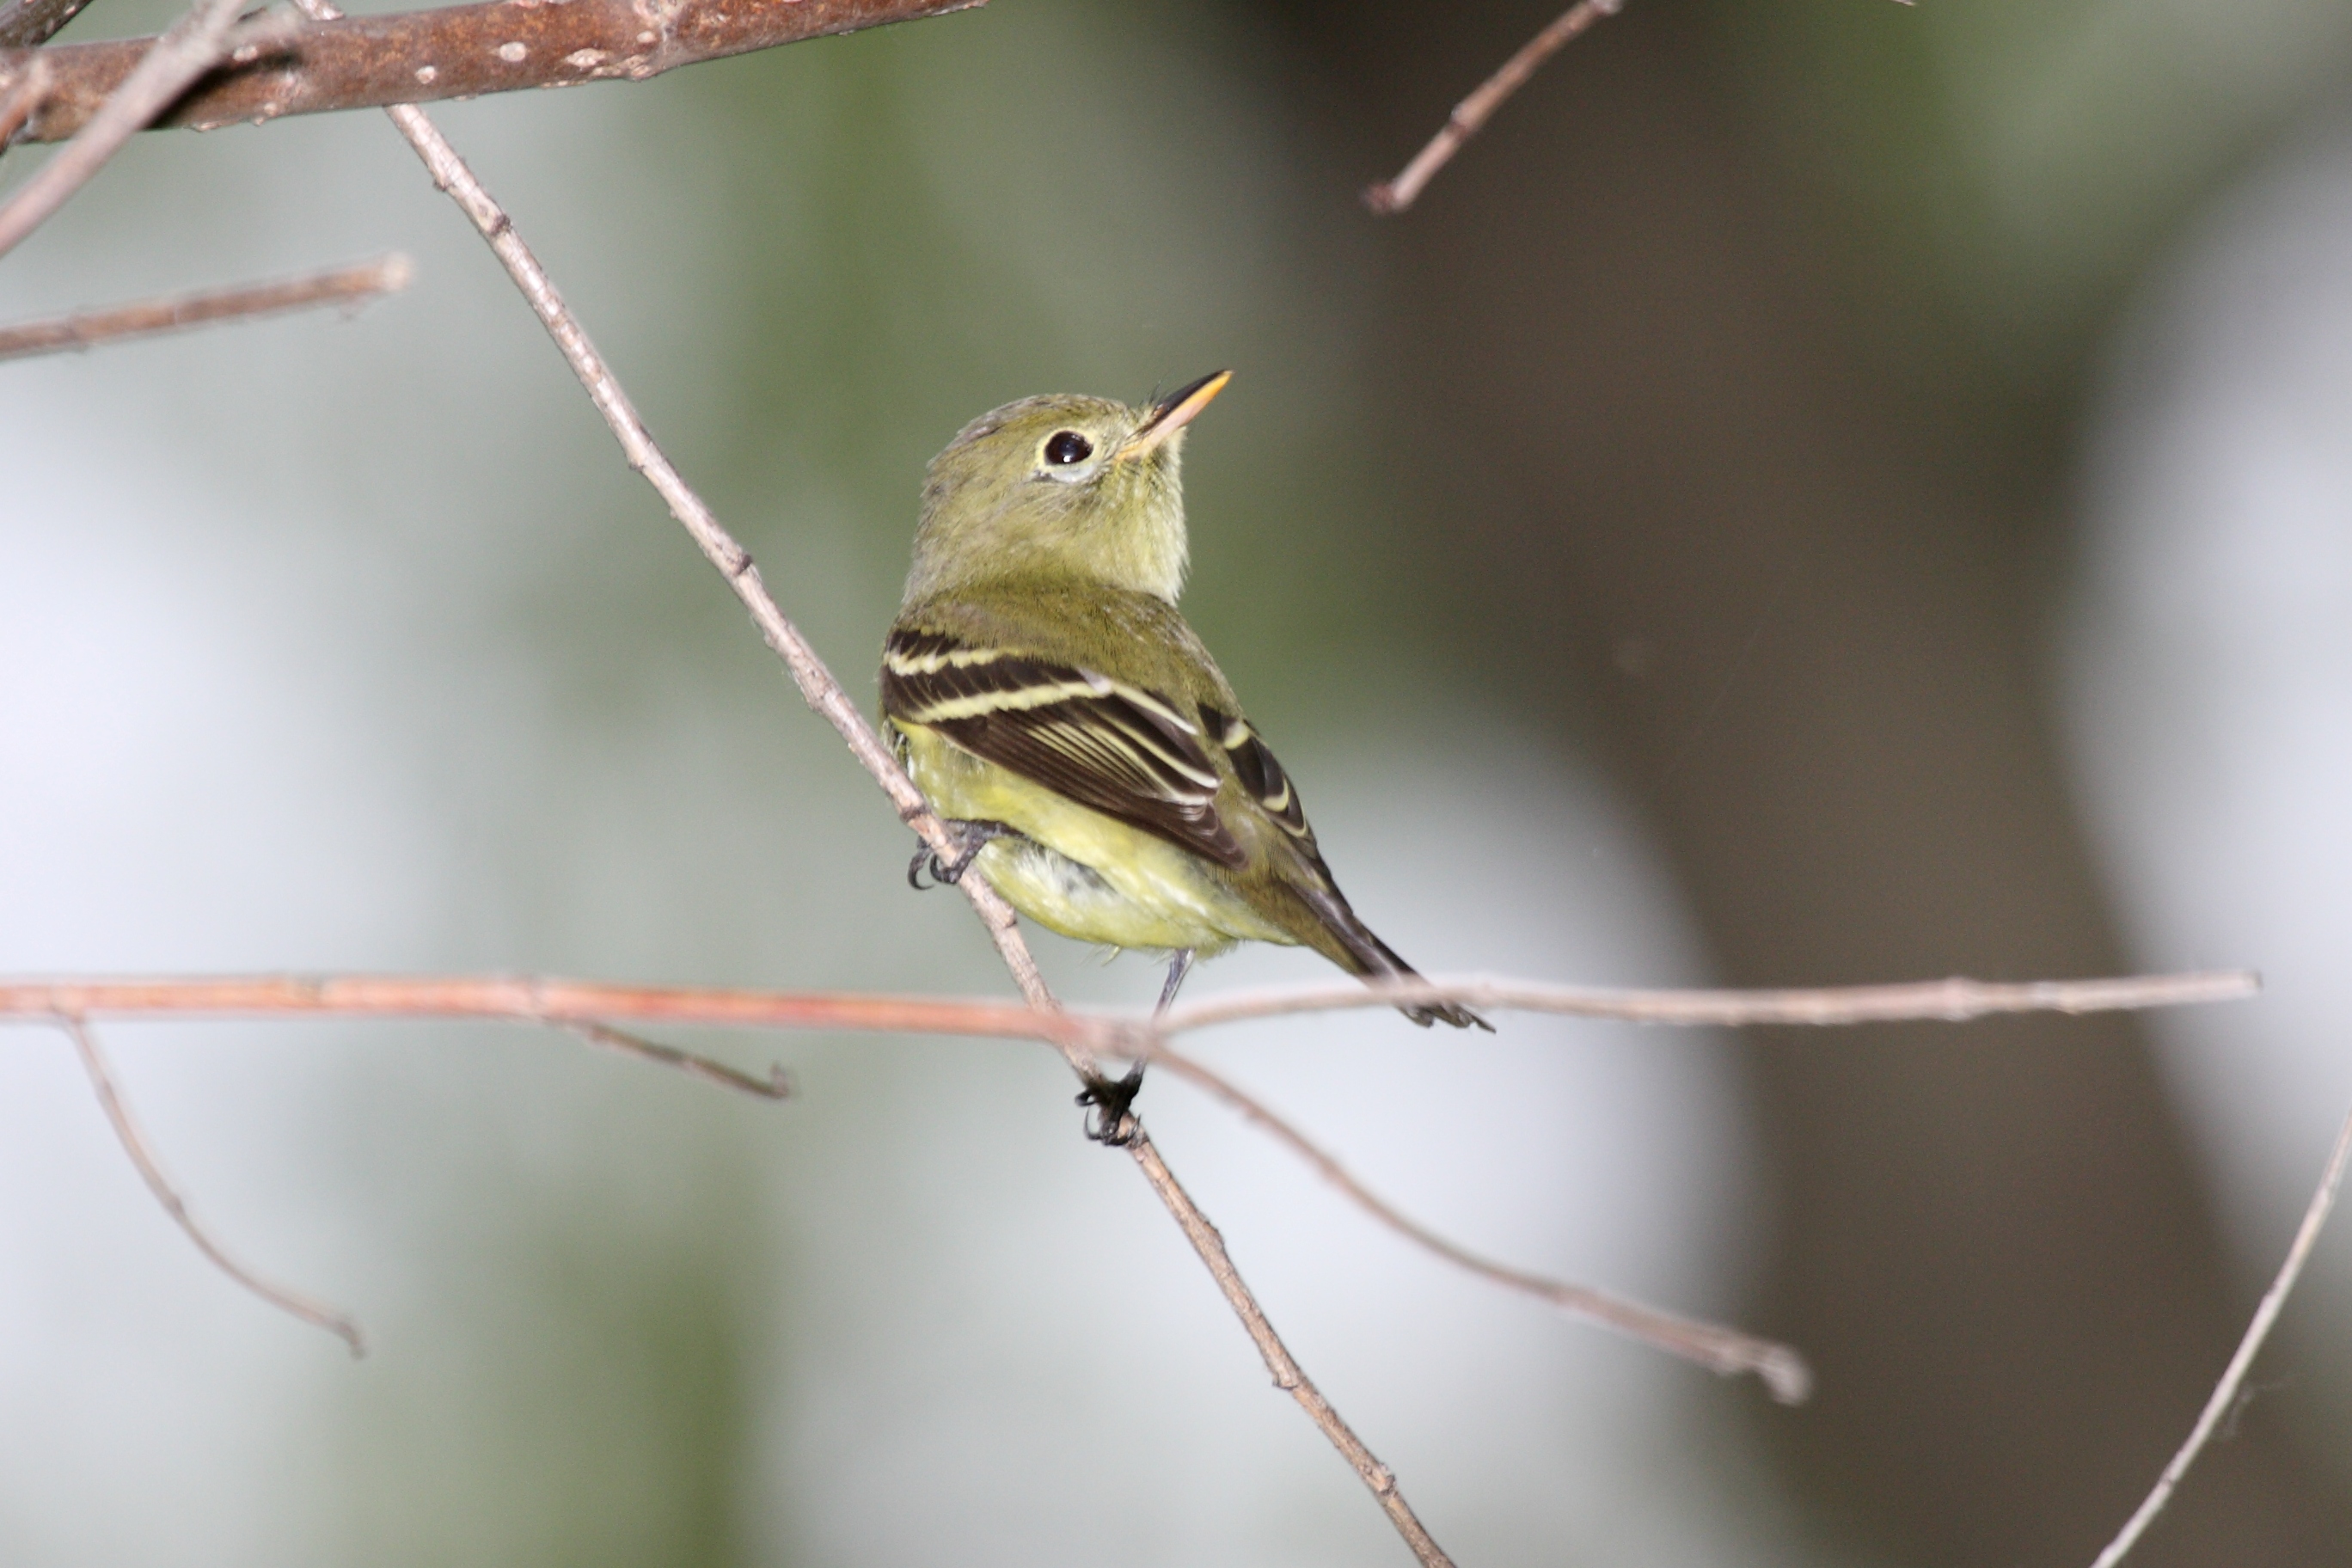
pixel 1062 486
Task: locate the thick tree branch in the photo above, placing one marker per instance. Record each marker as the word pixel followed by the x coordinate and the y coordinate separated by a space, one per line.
pixel 350 287
pixel 461 51
pixel 150 1170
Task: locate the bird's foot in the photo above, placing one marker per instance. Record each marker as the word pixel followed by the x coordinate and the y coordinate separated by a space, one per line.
pixel 1110 1101
pixel 971 837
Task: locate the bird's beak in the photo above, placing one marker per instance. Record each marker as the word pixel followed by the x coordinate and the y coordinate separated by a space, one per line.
pixel 1172 413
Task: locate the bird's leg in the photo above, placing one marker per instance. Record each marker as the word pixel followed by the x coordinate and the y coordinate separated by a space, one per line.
pixel 1180 964
pixel 1111 1099
pixel 971 837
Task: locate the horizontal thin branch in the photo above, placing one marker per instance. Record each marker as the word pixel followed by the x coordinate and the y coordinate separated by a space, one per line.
pixel 2225 1392
pixel 555 1001
pixel 461 51
pixel 1720 1350
pixel 1952 1001
pixel 1474 111
pixel 150 1170
pixel 347 286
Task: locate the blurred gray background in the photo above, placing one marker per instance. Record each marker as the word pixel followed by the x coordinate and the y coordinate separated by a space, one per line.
pixel 1817 493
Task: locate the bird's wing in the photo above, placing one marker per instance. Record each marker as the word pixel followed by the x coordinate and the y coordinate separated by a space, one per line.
pixel 1129 753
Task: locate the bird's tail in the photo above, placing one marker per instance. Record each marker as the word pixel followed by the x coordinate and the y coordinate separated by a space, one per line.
pixel 1349 942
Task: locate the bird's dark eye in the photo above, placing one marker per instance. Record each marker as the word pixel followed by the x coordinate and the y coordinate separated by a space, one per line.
pixel 1066 446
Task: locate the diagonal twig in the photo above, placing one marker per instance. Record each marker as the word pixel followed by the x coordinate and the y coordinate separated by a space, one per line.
pixel 1474 111
pixel 823 693
pixel 1724 1351
pixel 777 1085
pixel 199 40
pixel 2225 1393
pixel 350 287
pixel 150 1170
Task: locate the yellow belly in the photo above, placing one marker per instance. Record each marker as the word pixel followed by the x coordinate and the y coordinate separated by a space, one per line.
pixel 1078 871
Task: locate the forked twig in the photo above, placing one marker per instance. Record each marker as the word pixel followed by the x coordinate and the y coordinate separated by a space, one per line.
pixel 1474 111
pixel 143 1154
pixel 2225 1393
pixel 1718 1348
pixel 191 47
pixel 350 287
pixel 823 693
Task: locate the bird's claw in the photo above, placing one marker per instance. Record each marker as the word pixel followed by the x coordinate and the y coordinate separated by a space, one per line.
pixel 1110 1102
pixel 971 837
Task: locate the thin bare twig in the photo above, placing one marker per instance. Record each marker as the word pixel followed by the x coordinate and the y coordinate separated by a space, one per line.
pixel 823 693
pixel 540 999
pixel 777 1085
pixel 1287 1375
pixel 2225 1393
pixel 1952 1001
pixel 1724 1351
pixel 1474 111
pixel 461 51
pixel 200 39
pixel 150 1170
pixel 350 287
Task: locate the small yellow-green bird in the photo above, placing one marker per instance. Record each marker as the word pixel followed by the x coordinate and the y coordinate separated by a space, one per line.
pixel 1046 696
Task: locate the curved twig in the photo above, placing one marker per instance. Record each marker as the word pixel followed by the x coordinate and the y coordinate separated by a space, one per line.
pixel 2225 1393
pixel 309 1309
pixel 1724 1351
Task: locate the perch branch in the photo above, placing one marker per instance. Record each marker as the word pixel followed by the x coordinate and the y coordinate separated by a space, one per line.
pixel 528 999
pixel 461 51
pixel 1723 1350
pixel 2225 1393
pixel 1287 1375
pixel 823 693
pixel 150 1170
pixel 1474 111
pixel 350 287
